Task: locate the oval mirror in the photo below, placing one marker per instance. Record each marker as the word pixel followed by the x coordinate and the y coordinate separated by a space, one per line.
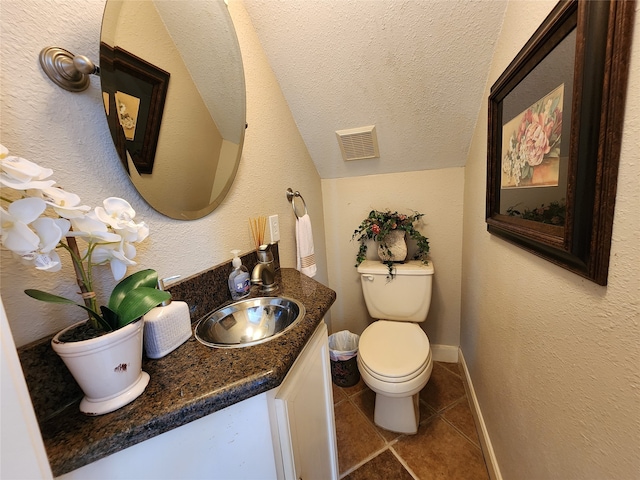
pixel 174 94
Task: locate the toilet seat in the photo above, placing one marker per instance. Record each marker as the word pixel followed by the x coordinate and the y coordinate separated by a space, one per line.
pixel 394 352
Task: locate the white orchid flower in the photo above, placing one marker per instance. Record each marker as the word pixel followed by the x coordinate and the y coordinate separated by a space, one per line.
pixel 118 255
pixel 22 174
pixel 136 232
pixel 16 234
pixel 108 230
pixel 65 204
pixel 50 231
pixel 91 229
pixel 117 213
pixel 23 170
pixel 49 262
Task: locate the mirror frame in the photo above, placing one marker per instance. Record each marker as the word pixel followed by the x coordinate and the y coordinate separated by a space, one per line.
pixel 602 53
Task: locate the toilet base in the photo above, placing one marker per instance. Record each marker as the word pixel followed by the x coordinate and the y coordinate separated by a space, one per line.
pixel 397 414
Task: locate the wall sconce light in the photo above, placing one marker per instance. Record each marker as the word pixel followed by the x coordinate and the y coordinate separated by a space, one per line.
pixel 67 70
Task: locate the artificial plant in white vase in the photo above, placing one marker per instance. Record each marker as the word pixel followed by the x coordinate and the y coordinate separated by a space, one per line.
pixel 389 230
pixel 39 220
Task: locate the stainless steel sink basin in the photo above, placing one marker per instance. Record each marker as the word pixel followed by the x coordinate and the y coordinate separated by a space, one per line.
pixel 249 322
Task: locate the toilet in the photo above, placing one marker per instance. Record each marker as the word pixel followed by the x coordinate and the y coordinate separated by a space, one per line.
pixel 394 357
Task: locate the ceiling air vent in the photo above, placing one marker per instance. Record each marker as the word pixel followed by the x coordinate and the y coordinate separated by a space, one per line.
pixel 358 143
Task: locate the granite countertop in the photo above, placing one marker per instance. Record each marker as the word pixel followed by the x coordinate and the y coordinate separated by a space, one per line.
pixel 191 382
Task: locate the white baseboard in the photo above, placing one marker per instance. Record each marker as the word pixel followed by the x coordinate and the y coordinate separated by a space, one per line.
pixel 485 441
pixel 444 353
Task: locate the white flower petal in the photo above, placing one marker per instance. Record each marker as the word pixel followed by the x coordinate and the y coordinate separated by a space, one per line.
pixel 119 254
pixel 120 206
pixel 64 225
pixel 87 224
pixel 96 237
pixel 117 213
pixel 143 231
pixel 108 237
pixel 49 233
pixel 60 197
pixel 129 251
pixel 48 262
pixel 118 269
pixel 134 232
pixel 7 181
pixel 101 254
pixel 4 152
pixel 73 212
pixel 24 170
pixel 115 254
pixel 27 209
pixel 16 235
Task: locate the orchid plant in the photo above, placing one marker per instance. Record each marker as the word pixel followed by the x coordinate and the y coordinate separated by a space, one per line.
pixel 377 226
pixel 41 218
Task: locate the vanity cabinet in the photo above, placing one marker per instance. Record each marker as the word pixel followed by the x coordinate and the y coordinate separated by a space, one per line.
pixel 305 422
pixel 285 433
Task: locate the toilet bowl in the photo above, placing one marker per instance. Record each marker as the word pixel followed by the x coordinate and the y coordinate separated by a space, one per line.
pixel 394 356
pixel 395 362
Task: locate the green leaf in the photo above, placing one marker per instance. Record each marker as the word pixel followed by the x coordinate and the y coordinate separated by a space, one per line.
pixel 48 297
pixel 143 278
pixel 138 302
pixel 110 317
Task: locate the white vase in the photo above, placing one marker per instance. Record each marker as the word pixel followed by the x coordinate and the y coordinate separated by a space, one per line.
pixel 107 368
pixel 396 244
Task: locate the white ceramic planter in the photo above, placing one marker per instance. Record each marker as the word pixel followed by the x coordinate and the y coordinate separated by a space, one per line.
pixel 396 244
pixel 107 368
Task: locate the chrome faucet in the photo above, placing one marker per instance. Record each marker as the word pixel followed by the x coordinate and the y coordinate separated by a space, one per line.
pixel 264 273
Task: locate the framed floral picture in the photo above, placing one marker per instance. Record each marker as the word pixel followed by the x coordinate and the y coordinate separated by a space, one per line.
pixel 531 144
pixel 134 108
pixel 555 122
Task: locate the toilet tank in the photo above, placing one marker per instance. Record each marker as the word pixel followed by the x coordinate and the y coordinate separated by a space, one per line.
pixel 406 297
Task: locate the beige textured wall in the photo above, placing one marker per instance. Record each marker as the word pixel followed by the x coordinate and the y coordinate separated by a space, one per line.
pixel 436 193
pixel 68 132
pixel 554 358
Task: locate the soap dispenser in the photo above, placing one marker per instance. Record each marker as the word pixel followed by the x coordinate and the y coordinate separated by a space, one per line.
pixel 239 280
pixel 166 327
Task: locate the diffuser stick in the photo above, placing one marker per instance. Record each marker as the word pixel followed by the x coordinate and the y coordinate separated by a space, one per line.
pixel 258 226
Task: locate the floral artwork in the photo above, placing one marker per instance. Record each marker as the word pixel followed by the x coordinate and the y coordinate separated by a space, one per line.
pixel 531 144
pixel 128 107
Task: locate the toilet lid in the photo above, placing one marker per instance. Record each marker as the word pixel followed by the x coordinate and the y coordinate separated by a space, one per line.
pixel 394 351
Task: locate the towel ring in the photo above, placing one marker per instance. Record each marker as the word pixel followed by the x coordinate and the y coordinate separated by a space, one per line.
pixel 291 196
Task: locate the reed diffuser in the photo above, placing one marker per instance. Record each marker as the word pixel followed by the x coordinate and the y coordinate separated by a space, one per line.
pixel 258 226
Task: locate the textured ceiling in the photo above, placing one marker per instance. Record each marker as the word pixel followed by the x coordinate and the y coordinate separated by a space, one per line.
pixel 416 69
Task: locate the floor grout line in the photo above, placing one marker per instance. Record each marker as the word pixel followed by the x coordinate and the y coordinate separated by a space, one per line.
pixel 367 459
pixel 404 463
pixel 369 422
pixel 389 445
pixel 461 433
pixel 454 404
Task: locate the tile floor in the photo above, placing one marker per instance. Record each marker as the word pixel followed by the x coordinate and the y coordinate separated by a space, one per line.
pixel 445 447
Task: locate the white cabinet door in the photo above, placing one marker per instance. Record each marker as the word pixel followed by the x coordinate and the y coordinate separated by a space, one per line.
pixel 231 444
pixel 305 419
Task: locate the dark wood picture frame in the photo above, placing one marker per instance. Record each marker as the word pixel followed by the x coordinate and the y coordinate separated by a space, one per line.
pixel 149 84
pixel 596 98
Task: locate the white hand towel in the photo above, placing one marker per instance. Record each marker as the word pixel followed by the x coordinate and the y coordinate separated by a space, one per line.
pixel 306 261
